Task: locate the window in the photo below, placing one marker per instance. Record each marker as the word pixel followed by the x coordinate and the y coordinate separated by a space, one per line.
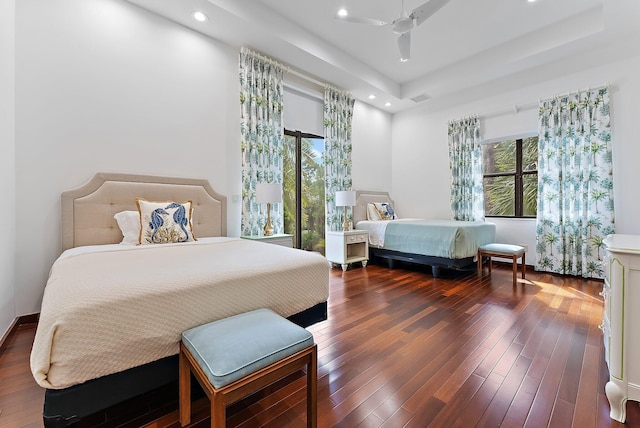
pixel 510 177
pixel 303 189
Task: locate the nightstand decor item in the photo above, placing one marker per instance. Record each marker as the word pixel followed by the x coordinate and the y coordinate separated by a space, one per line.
pixel 345 198
pixel 268 193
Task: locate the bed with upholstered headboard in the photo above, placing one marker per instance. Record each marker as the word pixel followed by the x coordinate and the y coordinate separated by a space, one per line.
pixel 88 210
pixel 112 313
pixel 441 244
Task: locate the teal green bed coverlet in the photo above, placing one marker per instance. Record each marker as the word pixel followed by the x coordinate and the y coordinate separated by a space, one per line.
pixel 440 238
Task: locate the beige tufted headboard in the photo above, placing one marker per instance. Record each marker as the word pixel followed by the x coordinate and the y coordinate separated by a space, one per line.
pixel 364 197
pixel 87 211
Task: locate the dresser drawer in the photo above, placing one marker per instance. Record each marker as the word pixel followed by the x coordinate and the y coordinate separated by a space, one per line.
pixel 361 237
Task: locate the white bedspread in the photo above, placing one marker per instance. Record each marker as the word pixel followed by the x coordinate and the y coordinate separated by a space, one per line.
pixel 112 307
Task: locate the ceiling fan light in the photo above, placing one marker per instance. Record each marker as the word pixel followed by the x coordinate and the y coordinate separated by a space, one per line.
pixel 404 59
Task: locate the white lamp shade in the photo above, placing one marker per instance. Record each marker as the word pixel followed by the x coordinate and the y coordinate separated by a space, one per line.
pixel 345 198
pixel 268 192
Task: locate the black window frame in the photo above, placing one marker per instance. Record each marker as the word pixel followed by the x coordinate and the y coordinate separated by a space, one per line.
pixel 518 175
pixel 299 136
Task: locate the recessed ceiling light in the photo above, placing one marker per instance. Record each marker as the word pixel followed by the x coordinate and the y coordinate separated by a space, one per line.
pixel 199 16
pixel 387 104
pixel 372 97
pixel 343 12
pixel 531 1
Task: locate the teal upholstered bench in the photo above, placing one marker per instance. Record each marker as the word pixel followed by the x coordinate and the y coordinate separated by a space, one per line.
pixel 513 252
pixel 237 356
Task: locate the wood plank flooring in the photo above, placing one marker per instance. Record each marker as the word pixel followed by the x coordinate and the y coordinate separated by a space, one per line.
pixel 402 349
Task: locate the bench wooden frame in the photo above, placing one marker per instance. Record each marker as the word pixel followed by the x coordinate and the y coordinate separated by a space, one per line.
pixel 222 397
pixel 514 255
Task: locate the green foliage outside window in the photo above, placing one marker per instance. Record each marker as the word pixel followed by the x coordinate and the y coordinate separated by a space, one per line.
pixel 510 177
pixel 312 192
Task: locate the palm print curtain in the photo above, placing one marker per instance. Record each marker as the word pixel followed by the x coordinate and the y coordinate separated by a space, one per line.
pixel 575 183
pixel 338 111
pixel 262 137
pixel 465 162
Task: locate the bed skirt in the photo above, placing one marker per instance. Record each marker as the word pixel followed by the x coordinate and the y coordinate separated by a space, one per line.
pixel 63 407
pixel 436 263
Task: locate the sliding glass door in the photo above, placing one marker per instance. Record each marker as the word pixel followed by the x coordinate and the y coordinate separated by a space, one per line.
pixel 303 190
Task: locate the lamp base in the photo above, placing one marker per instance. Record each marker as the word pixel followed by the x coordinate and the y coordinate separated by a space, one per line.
pixel 345 224
pixel 268 227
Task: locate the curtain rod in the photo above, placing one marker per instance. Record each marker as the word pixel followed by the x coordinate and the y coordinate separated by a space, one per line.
pixel 515 110
pixel 305 77
pixel 533 105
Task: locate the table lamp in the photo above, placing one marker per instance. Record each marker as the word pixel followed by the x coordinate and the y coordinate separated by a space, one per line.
pixel 345 198
pixel 268 193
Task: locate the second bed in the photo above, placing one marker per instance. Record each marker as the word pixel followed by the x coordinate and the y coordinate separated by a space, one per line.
pixel 440 244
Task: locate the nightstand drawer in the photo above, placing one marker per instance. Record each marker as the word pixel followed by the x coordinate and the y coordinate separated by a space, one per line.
pixel 361 237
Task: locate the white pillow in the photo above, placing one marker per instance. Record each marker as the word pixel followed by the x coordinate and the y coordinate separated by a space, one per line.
pixel 129 224
pixel 165 222
pixel 372 213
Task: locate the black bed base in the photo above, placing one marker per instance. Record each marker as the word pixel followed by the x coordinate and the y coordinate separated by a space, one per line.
pixel 436 263
pixel 64 407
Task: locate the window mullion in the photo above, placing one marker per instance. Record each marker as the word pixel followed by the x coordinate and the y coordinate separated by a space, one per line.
pixel 518 184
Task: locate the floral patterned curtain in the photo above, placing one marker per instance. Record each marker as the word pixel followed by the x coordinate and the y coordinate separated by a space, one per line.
pixel 262 137
pixel 575 183
pixel 465 162
pixel 338 111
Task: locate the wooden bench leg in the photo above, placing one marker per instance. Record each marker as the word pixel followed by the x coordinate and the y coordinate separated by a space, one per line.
pixel 218 411
pixel 312 390
pixel 524 265
pixel 184 375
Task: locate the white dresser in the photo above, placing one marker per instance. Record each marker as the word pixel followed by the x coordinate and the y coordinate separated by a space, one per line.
pixel 621 321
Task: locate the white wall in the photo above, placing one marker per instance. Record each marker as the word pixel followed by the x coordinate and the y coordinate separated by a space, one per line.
pixel 371 154
pixel 106 86
pixel 420 159
pixel 7 165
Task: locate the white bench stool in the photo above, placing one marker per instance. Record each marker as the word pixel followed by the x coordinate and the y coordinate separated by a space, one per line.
pixel 237 356
pixel 502 250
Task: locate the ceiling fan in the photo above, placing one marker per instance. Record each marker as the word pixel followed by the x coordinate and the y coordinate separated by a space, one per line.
pixel 402 25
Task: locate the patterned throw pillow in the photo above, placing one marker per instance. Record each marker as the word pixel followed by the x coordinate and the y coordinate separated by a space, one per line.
pixel 165 222
pixel 385 211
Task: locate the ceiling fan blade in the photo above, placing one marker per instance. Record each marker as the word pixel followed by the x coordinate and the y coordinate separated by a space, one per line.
pixel 423 12
pixel 404 44
pixel 358 20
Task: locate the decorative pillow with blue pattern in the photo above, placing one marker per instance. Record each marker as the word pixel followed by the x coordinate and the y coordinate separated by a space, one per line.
pixel 165 222
pixel 385 210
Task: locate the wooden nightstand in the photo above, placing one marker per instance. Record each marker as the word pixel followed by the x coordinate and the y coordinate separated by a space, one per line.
pixel 347 247
pixel 283 239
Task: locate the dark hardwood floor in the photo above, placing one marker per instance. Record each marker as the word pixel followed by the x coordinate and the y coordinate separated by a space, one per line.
pixel 402 349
